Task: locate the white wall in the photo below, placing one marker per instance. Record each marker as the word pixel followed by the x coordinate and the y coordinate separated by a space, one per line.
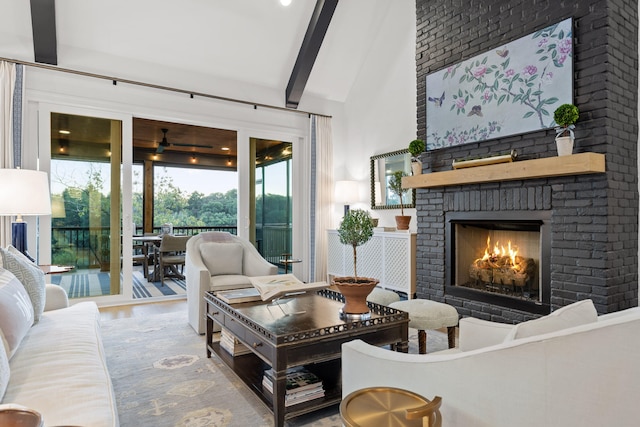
pixel 380 112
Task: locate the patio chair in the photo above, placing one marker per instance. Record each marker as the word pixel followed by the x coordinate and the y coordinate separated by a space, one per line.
pixel 141 257
pixel 171 255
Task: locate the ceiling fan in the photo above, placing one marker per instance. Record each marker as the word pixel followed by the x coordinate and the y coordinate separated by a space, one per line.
pixel 162 145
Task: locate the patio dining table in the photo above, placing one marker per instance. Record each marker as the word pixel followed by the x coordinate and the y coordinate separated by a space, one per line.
pixel 152 242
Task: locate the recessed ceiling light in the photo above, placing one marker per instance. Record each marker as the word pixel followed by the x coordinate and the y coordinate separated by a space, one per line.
pixel 64 132
pixel 225 148
pixel 285 2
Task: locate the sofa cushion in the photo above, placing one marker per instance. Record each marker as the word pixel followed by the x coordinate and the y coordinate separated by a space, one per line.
pixel 4 370
pixel 576 314
pixel 16 311
pixel 222 258
pixel 60 370
pixel 29 274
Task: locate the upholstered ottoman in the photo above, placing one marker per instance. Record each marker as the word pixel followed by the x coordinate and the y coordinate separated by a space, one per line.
pixel 426 314
pixel 383 296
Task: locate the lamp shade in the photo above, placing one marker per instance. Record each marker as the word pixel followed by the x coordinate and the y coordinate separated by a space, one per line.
pixel 346 191
pixel 24 192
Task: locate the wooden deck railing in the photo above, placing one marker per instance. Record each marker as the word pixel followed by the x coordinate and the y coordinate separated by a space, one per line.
pixel 88 247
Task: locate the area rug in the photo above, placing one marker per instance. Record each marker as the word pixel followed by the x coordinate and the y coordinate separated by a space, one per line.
pixel 90 283
pixel 162 378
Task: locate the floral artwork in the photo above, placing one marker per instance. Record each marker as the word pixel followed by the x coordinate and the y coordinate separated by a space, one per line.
pixel 509 90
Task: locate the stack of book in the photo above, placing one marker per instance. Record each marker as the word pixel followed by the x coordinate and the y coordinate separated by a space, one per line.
pixel 231 344
pixel 302 385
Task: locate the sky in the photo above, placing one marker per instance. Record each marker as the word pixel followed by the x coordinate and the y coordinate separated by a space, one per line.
pixel 65 173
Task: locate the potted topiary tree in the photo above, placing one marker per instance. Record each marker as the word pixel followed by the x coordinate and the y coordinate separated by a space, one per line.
pixel 565 116
pixel 395 185
pixel 416 147
pixel 355 229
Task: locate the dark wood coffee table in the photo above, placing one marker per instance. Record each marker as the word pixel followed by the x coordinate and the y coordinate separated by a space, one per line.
pixel 294 331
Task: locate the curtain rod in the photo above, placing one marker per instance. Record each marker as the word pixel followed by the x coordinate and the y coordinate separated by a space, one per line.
pixel 116 80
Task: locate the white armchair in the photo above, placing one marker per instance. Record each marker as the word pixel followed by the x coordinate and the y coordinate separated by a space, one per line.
pixel 570 368
pixel 217 261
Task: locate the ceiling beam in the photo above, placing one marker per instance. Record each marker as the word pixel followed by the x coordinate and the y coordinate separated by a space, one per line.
pixel 316 30
pixel 43 24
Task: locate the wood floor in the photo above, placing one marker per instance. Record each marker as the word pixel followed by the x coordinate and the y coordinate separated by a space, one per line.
pixel 142 310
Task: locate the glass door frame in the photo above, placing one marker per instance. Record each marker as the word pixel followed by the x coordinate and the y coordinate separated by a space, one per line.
pixel 44 157
pixel 299 189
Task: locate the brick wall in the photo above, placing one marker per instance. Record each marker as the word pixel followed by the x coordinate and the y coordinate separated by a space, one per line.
pixel 594 217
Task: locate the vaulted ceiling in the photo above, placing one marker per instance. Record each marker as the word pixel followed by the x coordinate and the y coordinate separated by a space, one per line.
pixel 206 46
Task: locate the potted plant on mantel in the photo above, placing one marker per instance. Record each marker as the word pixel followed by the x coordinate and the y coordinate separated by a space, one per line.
pixel 355 229
pixel 565 116
pixel 416 147
pixel 395 185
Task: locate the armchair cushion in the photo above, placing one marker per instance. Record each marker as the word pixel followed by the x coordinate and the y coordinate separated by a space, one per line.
pixel 576 314
pixel 477 333
pixel 222 258
pixel 224 282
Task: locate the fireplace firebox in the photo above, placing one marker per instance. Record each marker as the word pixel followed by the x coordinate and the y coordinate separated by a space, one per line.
pixel 502 258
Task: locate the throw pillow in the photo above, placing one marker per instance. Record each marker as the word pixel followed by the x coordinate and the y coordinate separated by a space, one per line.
pixel 576 314
pixel 4 370
pixel 222 258
pixel 29 274
pixel 16 311
pixel 14 251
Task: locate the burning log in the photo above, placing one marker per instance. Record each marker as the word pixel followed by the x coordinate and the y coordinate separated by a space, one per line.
pixel 501 270
pixel 502 267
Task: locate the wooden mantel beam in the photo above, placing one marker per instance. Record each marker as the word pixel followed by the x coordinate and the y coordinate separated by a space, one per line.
pixel 576 164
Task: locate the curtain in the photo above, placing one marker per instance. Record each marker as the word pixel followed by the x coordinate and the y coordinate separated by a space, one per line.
pixel 7 87
pixel 321 194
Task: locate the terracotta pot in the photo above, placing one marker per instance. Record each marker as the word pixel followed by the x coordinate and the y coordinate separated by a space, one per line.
pixel 355 291
pixel 402 222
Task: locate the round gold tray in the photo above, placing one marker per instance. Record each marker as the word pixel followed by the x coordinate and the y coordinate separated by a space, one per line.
pixel 380 406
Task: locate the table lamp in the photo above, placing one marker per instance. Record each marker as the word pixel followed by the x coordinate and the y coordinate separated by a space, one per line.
pixel 346 192
pixel 23 192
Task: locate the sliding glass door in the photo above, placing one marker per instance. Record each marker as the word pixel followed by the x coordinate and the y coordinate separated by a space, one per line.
pixel 272 207
pixel 84 158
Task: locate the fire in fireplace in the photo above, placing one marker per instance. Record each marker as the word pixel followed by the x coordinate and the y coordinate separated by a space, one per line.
pixel 500 257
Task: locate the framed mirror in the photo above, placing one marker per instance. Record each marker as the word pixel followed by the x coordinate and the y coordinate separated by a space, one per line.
pixel 382 167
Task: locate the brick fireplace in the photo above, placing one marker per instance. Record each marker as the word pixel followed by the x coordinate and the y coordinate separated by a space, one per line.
pixel 591 217
pixel 502 258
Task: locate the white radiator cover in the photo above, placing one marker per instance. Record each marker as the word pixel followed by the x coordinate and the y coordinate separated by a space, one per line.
pixel 389 257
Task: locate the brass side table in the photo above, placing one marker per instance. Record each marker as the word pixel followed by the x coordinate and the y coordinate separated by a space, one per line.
pixel 20 417
pixel 390 407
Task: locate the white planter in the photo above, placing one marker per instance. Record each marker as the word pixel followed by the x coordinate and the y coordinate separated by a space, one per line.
pixel 564 145
pixel 416 168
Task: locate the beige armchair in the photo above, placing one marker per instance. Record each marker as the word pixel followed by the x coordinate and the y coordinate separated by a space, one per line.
pixel 217 261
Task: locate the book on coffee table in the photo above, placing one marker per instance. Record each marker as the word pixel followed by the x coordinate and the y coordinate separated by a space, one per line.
pixel 271 287
pixel 230 343
pixel 302 385
pixel 235 296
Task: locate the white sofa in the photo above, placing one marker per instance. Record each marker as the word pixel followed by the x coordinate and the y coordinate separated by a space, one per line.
pixel 218 261
pixel 581 375
pixel 59 368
